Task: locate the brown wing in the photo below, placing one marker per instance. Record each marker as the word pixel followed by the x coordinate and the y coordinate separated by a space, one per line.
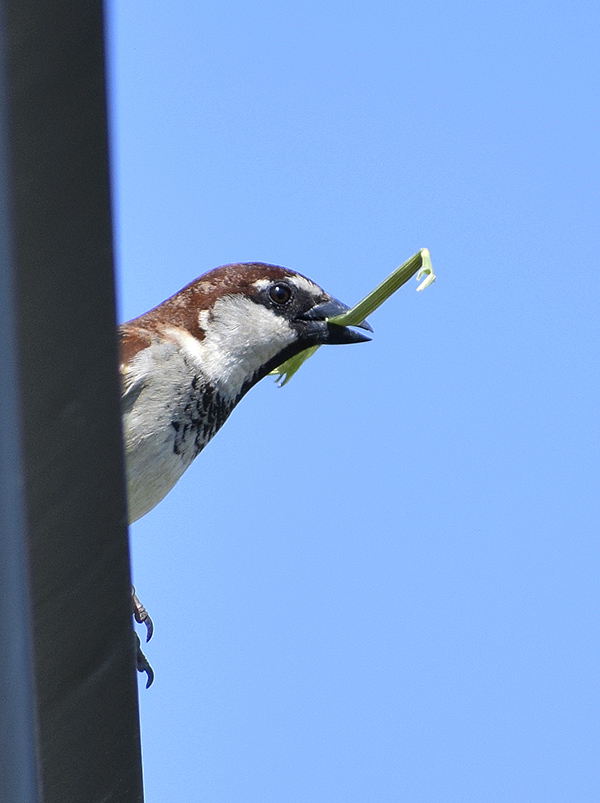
pixel 132 340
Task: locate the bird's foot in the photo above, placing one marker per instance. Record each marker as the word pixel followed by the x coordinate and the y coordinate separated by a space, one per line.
pixel 142 664
pixel 141 614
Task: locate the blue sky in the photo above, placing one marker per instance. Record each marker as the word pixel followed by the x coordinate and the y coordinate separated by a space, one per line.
pixel 379 583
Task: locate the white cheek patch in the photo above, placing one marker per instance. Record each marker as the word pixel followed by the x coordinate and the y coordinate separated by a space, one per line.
pixel 240 336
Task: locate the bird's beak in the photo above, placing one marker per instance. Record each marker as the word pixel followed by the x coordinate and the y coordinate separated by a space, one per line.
pixel 317 319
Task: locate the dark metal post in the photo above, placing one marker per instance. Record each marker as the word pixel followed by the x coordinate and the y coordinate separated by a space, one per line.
pixel 18 762
pixel 58 217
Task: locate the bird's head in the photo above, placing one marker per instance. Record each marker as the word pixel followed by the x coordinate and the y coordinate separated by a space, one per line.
pixel 239 322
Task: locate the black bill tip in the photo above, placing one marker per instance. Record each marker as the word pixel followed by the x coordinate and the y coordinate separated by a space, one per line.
pixel 339 335
pixel 336 333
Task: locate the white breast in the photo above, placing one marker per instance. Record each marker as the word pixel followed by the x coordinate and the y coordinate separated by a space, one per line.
pixel 240 337
pixel 160 380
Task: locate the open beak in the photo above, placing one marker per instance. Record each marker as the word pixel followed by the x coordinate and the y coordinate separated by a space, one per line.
pixel 333 333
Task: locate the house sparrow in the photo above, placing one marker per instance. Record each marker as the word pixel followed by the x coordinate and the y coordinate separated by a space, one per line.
pixel 186 363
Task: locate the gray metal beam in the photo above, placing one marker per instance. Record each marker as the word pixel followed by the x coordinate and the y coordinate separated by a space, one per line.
pixel 18 760
pixel 74 506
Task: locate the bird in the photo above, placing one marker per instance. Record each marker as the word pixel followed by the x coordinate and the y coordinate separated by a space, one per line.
pixel 187 363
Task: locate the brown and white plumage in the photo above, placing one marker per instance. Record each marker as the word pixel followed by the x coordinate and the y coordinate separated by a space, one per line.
pixel 186 363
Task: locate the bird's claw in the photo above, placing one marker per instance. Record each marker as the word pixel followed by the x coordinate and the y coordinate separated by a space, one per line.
pixel 141 615
pixel 142 664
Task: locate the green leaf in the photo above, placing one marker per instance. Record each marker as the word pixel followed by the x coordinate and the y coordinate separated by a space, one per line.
pixel 419 263
pixel 287 369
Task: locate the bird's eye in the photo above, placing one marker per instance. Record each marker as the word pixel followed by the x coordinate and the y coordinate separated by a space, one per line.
pixel 280 293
